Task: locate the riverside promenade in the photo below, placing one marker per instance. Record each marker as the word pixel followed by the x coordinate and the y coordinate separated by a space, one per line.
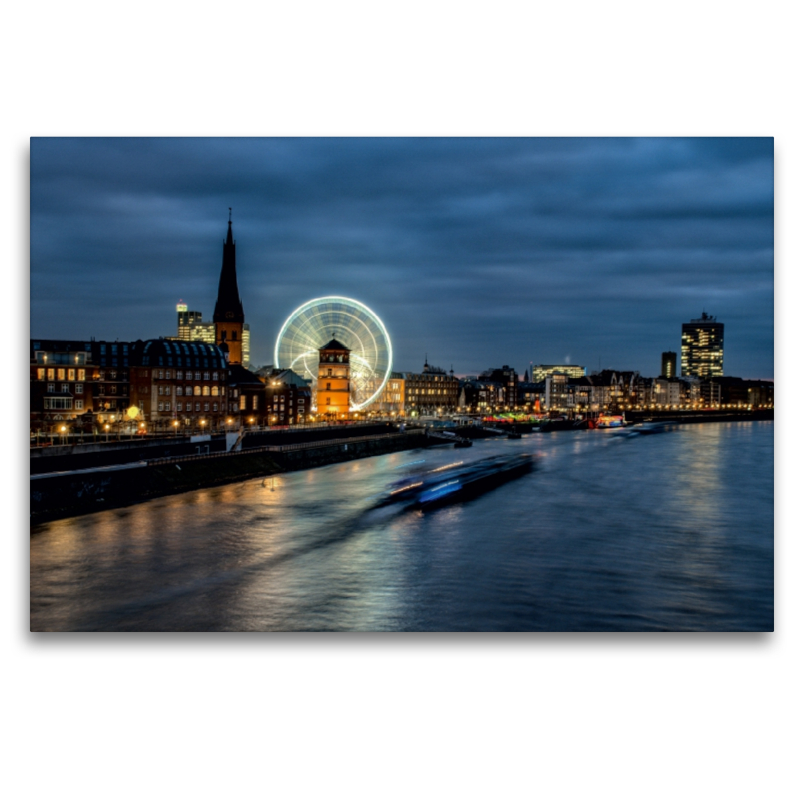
pixel 90 478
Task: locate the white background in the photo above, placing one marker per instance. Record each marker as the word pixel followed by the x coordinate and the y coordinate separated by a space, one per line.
pixel 640 716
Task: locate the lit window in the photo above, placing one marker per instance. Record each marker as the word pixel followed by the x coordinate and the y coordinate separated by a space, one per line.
pixel 215 391
pixel 197 391
pixel 40 374
pixel 206 391
pixel 71 374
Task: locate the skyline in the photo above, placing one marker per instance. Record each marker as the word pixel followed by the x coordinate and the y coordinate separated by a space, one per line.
pixel 478 252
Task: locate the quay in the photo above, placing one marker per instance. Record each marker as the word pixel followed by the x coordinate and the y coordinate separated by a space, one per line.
pixel 78 483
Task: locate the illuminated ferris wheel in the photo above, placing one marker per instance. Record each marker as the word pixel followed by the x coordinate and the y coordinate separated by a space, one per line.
pixel 353 324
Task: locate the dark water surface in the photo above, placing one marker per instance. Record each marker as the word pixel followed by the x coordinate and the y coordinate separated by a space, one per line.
pixel 666 532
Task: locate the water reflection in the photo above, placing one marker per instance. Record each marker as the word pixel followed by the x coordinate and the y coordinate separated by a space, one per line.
pixel 661 532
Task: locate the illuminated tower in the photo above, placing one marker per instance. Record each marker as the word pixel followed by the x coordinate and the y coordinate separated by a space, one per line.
pixel 187 320
pixel 669 364
pixel 228 312
pixel 333 380
pixel 701 347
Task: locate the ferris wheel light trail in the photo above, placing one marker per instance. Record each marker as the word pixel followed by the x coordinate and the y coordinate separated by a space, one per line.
pixel 310 326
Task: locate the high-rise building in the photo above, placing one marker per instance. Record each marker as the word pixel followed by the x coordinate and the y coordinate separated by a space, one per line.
pixel 702 347
pixel 186 319
pixel 669 364
pixel 191 328
pixel 228 311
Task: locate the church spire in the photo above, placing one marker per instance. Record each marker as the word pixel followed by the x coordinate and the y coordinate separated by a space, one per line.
pixel 229 304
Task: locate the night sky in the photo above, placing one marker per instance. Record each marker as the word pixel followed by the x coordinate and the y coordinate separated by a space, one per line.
pixel 478 252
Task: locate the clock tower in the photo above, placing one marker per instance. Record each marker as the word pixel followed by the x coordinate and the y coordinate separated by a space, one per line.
pixel 228 312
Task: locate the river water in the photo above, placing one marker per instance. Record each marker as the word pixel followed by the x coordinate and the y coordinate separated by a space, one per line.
pixel 665 532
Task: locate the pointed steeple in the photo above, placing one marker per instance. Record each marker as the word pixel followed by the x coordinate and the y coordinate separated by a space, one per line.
pixel 229 304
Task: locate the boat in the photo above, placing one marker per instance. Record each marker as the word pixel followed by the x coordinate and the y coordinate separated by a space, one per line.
pixel 609 421
pixel 646 428
pixel 480 477
pixel 454 482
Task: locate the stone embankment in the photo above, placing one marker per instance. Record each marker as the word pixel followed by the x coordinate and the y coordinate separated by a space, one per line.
pixel 56 495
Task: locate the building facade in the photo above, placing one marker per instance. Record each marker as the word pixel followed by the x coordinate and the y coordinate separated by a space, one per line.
pixel 288 398
pixel 78 383
pixel 432 392
pixel 178 386
pixel 540 371
pixel 333 381
pixel 702 344
pixel 392 400
pixel 507 377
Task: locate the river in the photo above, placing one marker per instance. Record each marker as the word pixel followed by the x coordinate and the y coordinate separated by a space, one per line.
pixel 665 532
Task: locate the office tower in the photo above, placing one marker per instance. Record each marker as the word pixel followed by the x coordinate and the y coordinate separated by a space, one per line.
pixel 702 347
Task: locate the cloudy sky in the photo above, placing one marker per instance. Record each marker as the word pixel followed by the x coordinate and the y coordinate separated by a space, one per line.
pixel 478 252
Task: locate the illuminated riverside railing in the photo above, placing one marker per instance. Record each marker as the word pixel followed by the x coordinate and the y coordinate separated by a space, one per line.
pixel 284 448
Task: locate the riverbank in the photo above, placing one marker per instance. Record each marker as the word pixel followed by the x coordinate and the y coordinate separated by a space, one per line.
pixel 68 494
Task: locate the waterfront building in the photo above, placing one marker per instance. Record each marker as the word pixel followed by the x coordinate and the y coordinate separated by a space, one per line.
pixel 392 400
pixel 702 347
pixel 477 396
pixel 432 392
pixel 247 397
pixel 508 378
pixel 540 371
pixel 570 394
pixel 228 311
pixel 669 365
pixel 333 381
pixel 78 383
pixel 615 390
pixel 531 395
pixel 288 397
pixel 664 392
pixel 178 385
pixel 742 393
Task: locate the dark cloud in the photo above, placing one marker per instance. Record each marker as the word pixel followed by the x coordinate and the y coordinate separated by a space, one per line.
pixel 478 251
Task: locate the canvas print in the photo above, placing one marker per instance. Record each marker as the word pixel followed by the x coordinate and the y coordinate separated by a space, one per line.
pixel 401 384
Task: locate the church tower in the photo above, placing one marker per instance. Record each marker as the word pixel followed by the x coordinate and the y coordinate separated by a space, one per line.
pixel 228 312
